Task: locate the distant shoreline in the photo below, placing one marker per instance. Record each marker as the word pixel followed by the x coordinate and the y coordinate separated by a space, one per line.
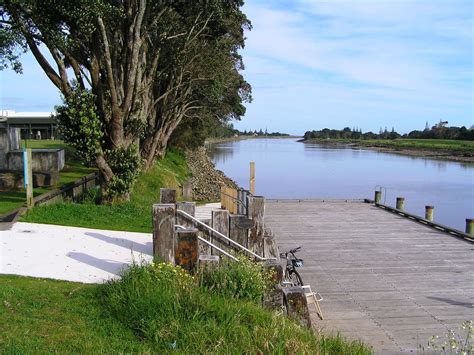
pixel 464 156
pixel 241 138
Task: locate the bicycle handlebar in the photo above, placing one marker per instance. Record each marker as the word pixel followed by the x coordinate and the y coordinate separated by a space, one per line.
pixel 295 249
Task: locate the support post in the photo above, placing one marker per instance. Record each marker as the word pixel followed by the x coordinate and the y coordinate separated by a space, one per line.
pixel 297 305
pixel 377 197
pixel 188 190
pixel 239 229
pixel 252 178
pixel 400 203
pixel 273 298
pixel 167 196
pixel 470 226
pixel 256 212
pixel 187 251
pixel 189 208
pixel 163 231
pixel 28 176
pixel 219 222
pixel 429 213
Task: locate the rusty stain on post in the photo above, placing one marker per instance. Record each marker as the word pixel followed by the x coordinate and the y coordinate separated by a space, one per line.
pixel 187 250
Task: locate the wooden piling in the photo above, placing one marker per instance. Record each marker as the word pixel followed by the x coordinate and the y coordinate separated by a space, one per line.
pixel 297 305
pixel 470 226
pixel 163 231
pixel 187 252
pixel 400 203
pixel 252 178
pixel 188 190
pixel 429 213
pixel 239 228
pixel 29 178
pixel 167 196
pixel 256 211
pixel 219 222
pixel 273 298
pixel 377 197
pixel 189 208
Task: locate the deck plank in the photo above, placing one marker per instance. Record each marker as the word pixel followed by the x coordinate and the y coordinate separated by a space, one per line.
pixel 387 280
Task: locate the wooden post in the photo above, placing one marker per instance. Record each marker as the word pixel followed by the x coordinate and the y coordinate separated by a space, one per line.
pixel 273 298
pixel 377 197
pixel 189 208
pixel 270 246
pixel 188 190
pixel 163 231
pixel 167 196
pixel 204 249
pixel 429 213
pixel 252 178
pixel 256 211
pixel 400 203
pixel 220 222
pixel 470 226
pixel 28 176
pixel 187 252
pixel 239 229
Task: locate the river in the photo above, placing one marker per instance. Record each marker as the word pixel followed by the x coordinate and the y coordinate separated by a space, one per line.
pixel 286 168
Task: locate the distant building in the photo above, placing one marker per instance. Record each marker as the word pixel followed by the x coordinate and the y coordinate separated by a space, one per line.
pixel 33 125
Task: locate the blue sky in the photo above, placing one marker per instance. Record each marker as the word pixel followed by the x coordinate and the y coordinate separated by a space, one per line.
pixel 334 63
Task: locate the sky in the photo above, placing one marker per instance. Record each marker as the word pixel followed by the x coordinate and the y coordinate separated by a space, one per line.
pixel 335 63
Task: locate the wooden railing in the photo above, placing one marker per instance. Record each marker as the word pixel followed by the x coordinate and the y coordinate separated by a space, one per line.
pixel 230 199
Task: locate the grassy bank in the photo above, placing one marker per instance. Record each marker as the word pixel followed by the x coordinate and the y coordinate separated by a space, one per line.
pixel 153 309
pixel 441 146
pixel 73 170
pixel 134 215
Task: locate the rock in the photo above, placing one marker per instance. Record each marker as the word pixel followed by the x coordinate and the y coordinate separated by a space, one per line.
pixel 206 179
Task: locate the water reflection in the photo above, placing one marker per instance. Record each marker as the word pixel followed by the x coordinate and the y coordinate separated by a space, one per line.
pixel 288 169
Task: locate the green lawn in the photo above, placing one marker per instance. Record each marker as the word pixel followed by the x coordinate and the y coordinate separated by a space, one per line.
pixel 141 314
pixel 73 170
pixel 134 215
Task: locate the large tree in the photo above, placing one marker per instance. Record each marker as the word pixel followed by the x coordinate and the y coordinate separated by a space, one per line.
pixel 130 71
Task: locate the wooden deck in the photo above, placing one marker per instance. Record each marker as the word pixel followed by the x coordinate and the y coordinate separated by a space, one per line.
pixel 385 279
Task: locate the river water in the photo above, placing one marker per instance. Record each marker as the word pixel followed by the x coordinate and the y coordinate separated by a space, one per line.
pixel 286 168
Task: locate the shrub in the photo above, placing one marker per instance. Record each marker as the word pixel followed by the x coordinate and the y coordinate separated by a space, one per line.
pixel 244 279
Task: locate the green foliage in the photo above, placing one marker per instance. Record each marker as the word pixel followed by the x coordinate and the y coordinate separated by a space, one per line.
pixel 80 124
pixel 133 215
pixel 125 164
pixel 244 280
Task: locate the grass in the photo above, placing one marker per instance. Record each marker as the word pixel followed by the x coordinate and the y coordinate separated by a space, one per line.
pixel 152 309
pixel 73 170
pixel 455 146
pixel 133 215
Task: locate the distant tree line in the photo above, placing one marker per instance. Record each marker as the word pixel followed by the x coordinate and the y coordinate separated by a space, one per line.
pixel 439 131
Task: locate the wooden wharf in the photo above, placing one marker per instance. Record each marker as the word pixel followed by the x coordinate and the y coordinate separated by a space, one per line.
pixel 387 280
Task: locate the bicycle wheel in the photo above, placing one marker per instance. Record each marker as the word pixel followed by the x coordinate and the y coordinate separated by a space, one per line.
pixel 295 278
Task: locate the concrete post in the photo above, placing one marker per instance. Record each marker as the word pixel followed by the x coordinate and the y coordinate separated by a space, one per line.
pixel 400 203
pixel 377 197
pixel 429 213
pixel 220 222
pixel 187 251
pixel 256 212
pixel 188 190
pixel 163 231
pixel 297 305
pixel 167 196
pixel 470 226
pixel 189 208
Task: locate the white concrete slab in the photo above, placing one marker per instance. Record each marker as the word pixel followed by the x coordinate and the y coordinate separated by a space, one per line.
pixel 203 212
pixel 70 253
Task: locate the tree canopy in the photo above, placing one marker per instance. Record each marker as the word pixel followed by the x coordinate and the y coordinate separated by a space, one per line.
pixel 131 71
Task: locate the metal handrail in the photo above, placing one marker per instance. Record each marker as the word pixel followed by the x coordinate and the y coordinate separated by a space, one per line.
pixel 210 244
pixel 221 235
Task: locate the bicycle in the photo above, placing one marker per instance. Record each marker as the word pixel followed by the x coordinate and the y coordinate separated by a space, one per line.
pixel 291 277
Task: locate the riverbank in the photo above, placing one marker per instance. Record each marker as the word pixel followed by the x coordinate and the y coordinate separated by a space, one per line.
pixel 241 138
pixel 443 149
